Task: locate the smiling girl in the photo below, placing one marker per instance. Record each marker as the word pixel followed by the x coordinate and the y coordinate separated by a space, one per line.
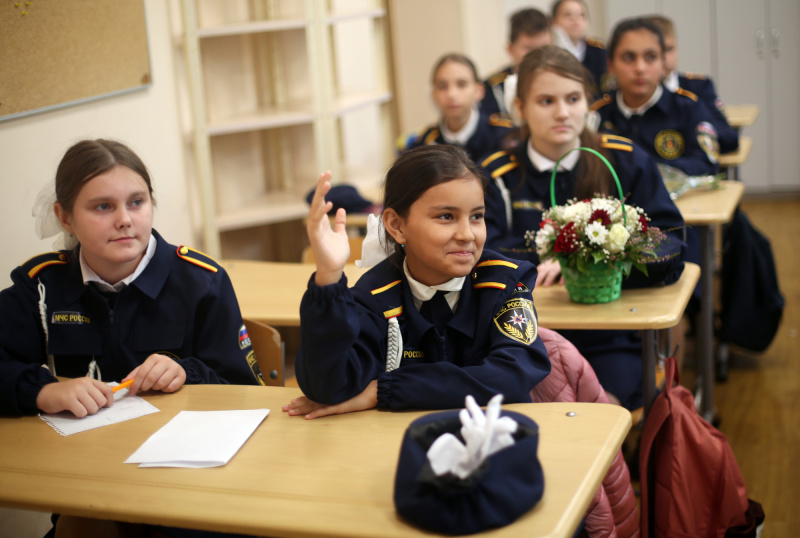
pixel 457 91
pixel 438 320
pixel 552 99
pixel 122 304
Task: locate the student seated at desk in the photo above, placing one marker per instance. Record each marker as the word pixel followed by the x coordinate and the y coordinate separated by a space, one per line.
pixel 438 320
pixel 700 85
pixel 529 29
pixel 552 97
pixel 457 91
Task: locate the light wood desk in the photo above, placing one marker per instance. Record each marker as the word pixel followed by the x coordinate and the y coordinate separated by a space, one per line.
pixel 739 116
pixel 705 209
pixel 327 477
pixel 738 157
pixel 271 292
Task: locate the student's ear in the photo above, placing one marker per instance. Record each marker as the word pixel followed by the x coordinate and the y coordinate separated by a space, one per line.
pixel 63 217
pixel 395 225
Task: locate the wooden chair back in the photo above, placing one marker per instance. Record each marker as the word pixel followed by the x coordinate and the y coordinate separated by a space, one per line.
pixel 355 251
pixel 269 351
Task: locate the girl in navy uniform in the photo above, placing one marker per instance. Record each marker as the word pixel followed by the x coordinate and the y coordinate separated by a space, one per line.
pixel 675 128
pixel 552 96
pixel 457 92
pixel 570 22
pixel 122 304
pixel 438 320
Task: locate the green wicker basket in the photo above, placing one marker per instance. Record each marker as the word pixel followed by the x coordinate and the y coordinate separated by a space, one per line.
pixel 601 283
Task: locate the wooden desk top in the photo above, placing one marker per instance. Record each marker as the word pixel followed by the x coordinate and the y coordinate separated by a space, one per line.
pixel 739 156
pixel 327 477
pixel 271 292
pixel 707 207
pixel 739 116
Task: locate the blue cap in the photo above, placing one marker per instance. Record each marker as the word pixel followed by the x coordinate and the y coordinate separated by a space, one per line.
pixel 345 196
pixel 508 484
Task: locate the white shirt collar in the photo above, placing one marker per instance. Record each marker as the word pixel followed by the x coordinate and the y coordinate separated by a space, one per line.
pixel 628 111
pixel 90 276
pixel 671 81
pixel 543 164
pixel 462 136
pixel 422 293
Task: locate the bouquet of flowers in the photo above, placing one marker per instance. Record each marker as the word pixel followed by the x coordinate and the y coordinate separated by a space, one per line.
pixel 596 241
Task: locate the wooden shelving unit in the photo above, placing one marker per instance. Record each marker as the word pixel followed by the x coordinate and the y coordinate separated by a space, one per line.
pixel 281 90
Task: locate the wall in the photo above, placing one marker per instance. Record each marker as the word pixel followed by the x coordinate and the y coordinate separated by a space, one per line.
pixel 147 120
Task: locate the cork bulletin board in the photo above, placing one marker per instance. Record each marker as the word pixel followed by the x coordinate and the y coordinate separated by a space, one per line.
pixel 55 53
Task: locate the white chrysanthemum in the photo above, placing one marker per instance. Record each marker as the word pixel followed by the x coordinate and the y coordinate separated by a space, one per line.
pixel 578 213
pixel 596 233
pixel 616 238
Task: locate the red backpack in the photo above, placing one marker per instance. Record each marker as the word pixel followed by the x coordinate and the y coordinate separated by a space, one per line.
pixel 695 487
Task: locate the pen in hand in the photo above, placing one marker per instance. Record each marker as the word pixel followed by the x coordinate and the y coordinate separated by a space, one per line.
pixel 121 386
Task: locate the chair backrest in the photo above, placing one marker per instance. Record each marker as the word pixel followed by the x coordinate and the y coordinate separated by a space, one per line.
pixel 355 251
pixel 269 350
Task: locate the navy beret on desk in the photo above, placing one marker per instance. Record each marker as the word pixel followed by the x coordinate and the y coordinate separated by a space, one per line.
pixel 508 484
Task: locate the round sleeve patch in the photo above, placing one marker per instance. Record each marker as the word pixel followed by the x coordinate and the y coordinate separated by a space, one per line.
pixel 707 138
pixel 517 321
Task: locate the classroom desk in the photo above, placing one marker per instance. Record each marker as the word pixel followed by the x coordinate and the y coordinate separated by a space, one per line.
pixel 271 292
pixel 332 476
pixel 737 158
pixel 739 116
pixel 705 209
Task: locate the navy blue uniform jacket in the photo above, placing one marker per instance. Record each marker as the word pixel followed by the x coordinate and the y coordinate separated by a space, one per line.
pixel 491 344
pixel 703 88
pixel 595 62
pixel 182 305
pixel 678 130
pixel 488 136
pixel 493 86
pixel 528 192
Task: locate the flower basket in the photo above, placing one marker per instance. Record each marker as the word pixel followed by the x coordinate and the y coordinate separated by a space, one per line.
pixel 600 283
pixel 596 241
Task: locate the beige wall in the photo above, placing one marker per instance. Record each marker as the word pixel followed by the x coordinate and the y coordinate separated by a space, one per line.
pixel 147 120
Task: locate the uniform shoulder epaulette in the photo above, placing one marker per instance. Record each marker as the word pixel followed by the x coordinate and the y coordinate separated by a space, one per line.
pixel 686 93
pixel 695 76
pixel 197 258
pixel 600 103
pixel 498 120
pixel 594 42
pixel 430 135
pixel 393 311
pixel 611 141
pixel 497 78
pixel 489 273
pixel 499 163
pixel 37 263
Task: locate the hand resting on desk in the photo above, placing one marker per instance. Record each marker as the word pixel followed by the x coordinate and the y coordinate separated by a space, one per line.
pixel 367 399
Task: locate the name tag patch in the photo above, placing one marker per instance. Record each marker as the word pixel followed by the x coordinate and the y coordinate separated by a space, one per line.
pixel 527 205
pixel 70 318
pixel 413 354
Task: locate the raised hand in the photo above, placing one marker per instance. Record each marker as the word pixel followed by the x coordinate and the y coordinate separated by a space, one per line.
pixel 330 245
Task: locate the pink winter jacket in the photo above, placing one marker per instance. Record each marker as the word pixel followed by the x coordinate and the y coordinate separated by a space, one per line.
pixel 612 512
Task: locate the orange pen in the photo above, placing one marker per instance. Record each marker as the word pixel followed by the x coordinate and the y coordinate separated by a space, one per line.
pixel 121 386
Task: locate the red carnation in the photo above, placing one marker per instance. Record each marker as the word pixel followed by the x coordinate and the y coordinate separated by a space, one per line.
pixel 601 216
pixel 545 222
pixel 567 240
pixel 643 222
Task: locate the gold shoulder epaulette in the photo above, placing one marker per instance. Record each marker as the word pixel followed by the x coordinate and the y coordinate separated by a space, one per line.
pixel 686 93
pixel 695 76
pixel 600 103
pixel 499 120
pixel 432 136
pixel 488 279
pixel 198 258
pixel 37 263
pixel 611 141
pixel 494 80
pixel 594 42
pixel 493 157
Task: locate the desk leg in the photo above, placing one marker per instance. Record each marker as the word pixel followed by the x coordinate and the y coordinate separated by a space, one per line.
pixel 648 370
pixel 705 334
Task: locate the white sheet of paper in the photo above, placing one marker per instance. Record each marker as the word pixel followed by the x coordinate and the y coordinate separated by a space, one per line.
pixel 125 407
pixel 198 439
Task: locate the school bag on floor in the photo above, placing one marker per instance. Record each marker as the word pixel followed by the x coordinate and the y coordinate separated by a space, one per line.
pixel 695 487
